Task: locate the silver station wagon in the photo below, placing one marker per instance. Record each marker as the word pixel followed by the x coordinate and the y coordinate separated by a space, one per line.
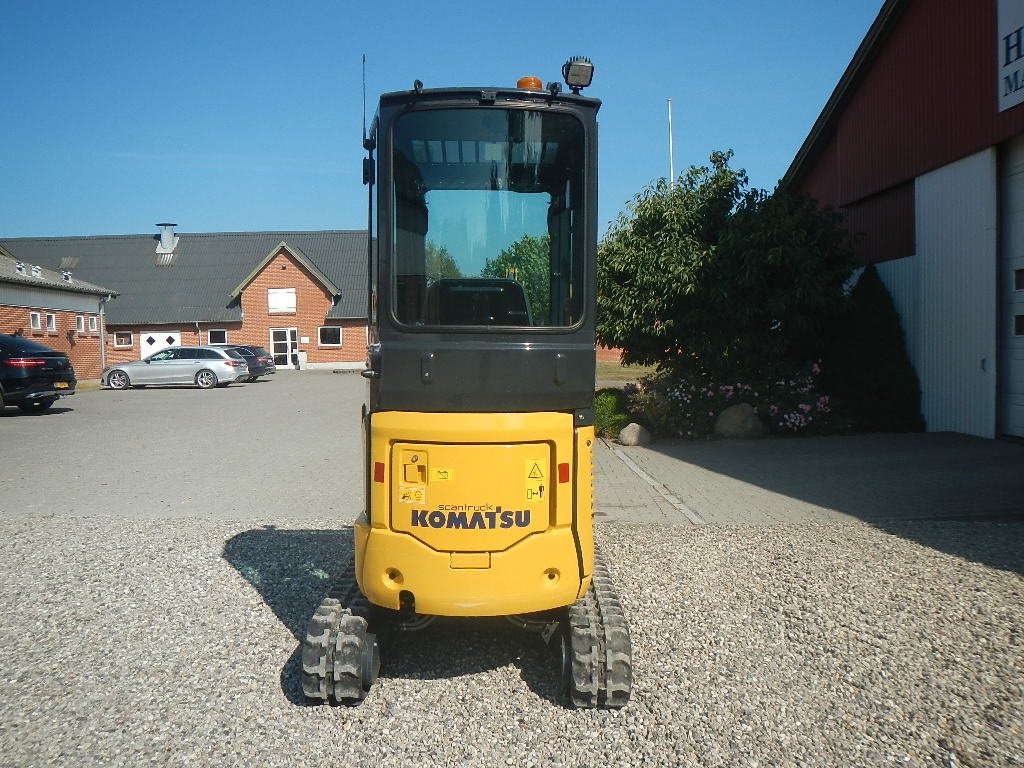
pixel 203 366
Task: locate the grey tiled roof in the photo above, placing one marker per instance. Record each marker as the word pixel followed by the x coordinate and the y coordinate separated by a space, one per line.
pixel 48 278
pixel 206 268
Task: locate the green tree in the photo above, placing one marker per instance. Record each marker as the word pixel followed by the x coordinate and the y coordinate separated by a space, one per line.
pixel 777 283
pixel 528 261
pixel 652 260
pixel 439 263
pixel 709 277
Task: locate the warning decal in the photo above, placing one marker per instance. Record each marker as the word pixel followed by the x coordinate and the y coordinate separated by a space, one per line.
pixel 408 495
pixel 535 483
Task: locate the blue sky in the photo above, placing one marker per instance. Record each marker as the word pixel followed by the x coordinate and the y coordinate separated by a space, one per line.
pixel 238 116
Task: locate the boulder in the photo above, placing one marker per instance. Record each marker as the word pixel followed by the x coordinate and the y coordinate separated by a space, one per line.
pixel 634 434
pixel 740 421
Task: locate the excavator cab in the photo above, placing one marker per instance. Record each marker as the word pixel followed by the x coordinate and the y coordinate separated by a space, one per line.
pixel 479 423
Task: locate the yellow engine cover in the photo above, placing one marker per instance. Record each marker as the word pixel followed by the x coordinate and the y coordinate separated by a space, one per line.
pixel 476 514
pixel 471 498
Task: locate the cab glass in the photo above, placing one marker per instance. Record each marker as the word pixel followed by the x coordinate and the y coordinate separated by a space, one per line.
pixel 488 226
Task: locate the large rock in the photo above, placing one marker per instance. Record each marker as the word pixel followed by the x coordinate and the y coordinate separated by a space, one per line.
pixel 634 434
pixel 740 421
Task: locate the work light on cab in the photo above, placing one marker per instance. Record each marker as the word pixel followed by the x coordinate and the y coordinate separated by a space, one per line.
pixel 578 73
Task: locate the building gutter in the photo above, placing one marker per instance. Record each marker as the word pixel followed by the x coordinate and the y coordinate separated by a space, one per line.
pixel 103 332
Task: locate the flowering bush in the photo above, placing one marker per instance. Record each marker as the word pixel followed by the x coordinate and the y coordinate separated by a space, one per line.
pixel 688 407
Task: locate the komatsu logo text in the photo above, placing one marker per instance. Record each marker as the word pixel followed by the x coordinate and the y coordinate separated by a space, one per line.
pixel 485 518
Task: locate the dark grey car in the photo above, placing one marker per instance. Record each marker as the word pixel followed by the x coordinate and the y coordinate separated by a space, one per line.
pixel 204 366
pixel 33 376
pixel 258 359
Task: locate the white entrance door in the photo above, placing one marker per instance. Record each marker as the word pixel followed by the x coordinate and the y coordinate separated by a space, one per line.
pixel 284 344
pixel 151 342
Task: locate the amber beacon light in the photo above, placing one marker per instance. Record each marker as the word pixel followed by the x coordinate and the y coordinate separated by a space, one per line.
pixel 529 83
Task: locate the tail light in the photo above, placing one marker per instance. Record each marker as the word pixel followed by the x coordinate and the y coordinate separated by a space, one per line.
pixel 234 363
pixel 26 362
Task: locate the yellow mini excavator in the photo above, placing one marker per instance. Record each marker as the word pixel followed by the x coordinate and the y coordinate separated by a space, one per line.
pixel 479 427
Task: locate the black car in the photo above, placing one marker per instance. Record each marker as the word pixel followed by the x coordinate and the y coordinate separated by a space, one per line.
pixel 32 376
pixel 261 363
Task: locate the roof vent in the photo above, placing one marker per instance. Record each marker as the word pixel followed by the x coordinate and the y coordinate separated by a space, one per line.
pixel 168 240
pixel 37 271
pixel 65 276
pixel 19 267
pixel 68 262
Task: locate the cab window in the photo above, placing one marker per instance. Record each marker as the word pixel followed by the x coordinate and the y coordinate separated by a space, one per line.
pixel 487 218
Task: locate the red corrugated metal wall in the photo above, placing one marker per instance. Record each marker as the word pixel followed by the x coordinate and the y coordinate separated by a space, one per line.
pixel 884 224
pixel 928 98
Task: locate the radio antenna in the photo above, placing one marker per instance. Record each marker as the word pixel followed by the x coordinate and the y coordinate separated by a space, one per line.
pixel 364 98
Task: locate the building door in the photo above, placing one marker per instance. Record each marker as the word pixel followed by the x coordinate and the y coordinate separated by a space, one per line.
pixel 151 342
pixel 284 344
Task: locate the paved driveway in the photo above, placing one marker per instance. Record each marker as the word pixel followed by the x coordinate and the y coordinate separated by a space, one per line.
pixel 873 478
pixel 290 445
pixel 284 445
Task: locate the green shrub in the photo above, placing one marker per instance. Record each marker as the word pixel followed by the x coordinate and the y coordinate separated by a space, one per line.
pixel 609 412
pixel 868 372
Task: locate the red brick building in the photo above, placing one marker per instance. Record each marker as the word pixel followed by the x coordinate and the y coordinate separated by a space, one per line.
pixel 302 295
pixel 54 309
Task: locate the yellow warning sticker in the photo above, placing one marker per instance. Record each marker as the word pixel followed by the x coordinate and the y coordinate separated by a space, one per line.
pixel 441 474
pixel 536 485
pixel 411 495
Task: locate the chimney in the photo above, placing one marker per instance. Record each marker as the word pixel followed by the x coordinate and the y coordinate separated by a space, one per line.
pixel 168 240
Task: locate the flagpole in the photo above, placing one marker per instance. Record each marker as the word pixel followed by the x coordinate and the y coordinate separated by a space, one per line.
pixel 671 162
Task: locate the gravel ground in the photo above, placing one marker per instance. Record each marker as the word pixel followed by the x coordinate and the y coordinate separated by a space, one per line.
pixel 174 642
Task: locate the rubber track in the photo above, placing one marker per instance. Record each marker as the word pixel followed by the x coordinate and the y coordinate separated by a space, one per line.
pixel 601 651
pixel 332 652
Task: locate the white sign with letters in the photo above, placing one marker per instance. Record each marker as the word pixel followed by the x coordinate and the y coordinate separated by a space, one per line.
pixel 1010 53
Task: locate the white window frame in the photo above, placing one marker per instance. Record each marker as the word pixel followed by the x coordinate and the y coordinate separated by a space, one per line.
pixel 131 340
pixel 93 324
pixel 35 321
pixel 209 338
pixel 281 301
pixel 80 323
pixel 320 338
pixel 51 322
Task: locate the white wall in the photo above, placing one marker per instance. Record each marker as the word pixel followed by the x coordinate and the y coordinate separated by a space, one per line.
pixel 1011 343
pixel 946 294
